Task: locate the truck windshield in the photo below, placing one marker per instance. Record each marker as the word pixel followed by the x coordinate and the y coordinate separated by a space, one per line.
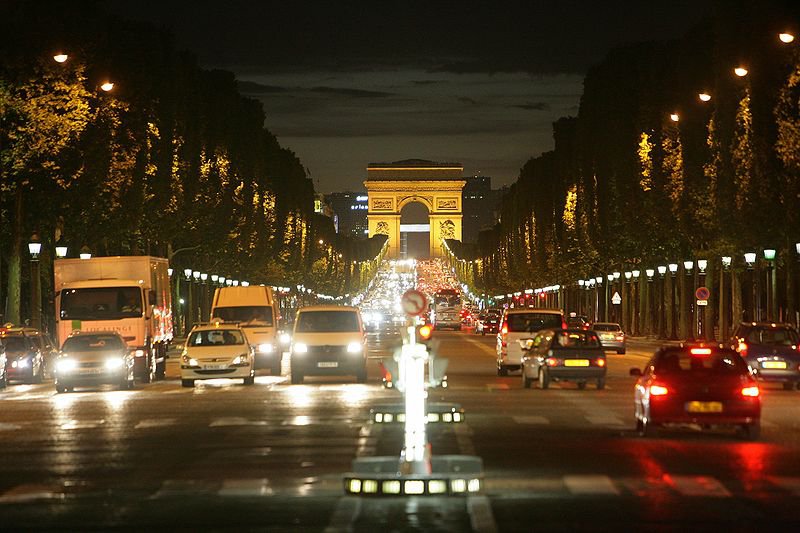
pixel 101 303
pixel 256 315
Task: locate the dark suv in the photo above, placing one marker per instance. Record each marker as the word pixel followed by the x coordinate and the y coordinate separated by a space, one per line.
pixel 29 354
pixel 771 350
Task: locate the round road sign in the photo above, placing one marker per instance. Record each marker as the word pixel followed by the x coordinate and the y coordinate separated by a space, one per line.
pixel 414 303
pixel 702 293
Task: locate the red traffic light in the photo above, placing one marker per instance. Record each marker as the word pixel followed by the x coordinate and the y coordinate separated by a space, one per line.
pixel 425 332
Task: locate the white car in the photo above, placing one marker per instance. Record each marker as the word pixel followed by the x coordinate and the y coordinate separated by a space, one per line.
pixel 217 350
pixel 519 324
pixel 328 340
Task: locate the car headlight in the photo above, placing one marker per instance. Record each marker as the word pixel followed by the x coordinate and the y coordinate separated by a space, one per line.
pixel 300 348
pixel 114 363
pixel 265 348
pixel 189 361
pixel 354 347
pixel 241 360
pixel 285 339
pixel 66 365
pixel 20 363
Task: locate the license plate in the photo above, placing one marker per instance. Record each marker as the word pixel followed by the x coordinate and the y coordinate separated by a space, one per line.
pixel 774 364
pixel 91 371
pixel 327 364
pixel 607 337
pixel 704 407
pixel 576 362
pixel 215 367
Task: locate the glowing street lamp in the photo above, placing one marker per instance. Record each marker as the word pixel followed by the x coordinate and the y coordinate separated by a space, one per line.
pixel 61 58
pixel 650 272
pixel 688 266
pixel 673 269
pixel 196 274
pixel 702 264
pixel 187 272
pixel 635 274
pixel 726 262
pixel 61 250
pixel 107 86
pixel 750 259
pixel 769 254
pixel 740 71
pixel 786 37
pixel 704 97
pixel 86 253
pixel 662 269
pixel 674 117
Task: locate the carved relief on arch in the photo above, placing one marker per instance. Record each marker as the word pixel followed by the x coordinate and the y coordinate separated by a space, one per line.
pixel 382 228
pixel 447 229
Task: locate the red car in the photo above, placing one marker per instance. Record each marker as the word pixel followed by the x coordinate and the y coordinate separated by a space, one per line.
pixel 708 385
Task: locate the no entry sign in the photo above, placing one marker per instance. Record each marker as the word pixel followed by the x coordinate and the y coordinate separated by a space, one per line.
pixel 702 293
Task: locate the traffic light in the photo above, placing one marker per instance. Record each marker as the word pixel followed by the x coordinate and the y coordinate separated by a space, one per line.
pixel 424 333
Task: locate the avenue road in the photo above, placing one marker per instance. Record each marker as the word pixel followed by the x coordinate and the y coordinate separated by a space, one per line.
pixel 271 456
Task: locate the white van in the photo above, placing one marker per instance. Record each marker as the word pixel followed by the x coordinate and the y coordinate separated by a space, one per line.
pixel 522 323
pixel 255 309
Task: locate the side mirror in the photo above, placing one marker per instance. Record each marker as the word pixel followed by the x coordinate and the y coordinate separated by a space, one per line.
pixel 636 372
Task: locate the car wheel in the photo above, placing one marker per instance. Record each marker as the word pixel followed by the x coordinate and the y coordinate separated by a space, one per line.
pixel 789 385
pixel 275 369
pixel 187 383
pixel 149 373
pixel 751 431
pixel 544 379
pixel 249 380
pixel 3 382
pixel 297 378
pixel 361 376
pixel 502 370
pixel 601 383
pixel 621 352
pixel 526 381
pixel 61 388
pixel 39 377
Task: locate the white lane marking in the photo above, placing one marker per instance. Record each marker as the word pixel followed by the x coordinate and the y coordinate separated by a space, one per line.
pixel 590 485
pixel 77 424
pixel 366 440
pixel 235 421
pixel 531 420
pixel 604 420
pixel 484 348
pixel 698 486
pixel 345 515
pixel 791 484
pixel 464 439
pixel 155 423
pixel 497 386
pixel 9 427
pixel 246 487
pixel 30 492
pixel 481 517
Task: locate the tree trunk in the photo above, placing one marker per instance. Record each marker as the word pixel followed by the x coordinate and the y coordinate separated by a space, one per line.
pixel 14 263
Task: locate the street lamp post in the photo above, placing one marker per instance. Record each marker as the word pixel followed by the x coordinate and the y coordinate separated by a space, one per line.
pixel 769 255
pixel 701 321
pixel 750 260
pixel 723 311
pixel 673 272
pixel 636 321
pixel 35 248
pixel 662 304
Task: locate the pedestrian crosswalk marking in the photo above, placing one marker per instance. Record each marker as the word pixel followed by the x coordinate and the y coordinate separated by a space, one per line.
pixel 697 486
pixel 246 487
pixel 236 421
pixel 78 424
pixel 9 427
pixel 591 485
pixel 154 423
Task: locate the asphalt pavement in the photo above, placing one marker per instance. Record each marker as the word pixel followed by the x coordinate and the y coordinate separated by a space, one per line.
pixel 271 456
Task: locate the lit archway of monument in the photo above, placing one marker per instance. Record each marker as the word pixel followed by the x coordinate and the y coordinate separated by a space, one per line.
pixel 415 231
pixel 437 186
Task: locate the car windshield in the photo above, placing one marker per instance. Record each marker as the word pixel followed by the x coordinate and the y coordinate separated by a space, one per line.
pixel 533 321
pixel 574 339
pixel 216 337
pixel 15 344
pixel 327 321
pixel 606 327
pixel 773 337
pixel 256 315
pixel 687 363
pixel 101 303
pixel 93 343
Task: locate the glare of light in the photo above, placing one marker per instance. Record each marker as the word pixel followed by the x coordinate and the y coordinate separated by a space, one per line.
pixel 64 401
pixel 785 37
pixel 61 58
pixel 674 117
pixel 301 420
pixel 740 71
pixel 107 86
pixel 300 396
pixel 354 395
pixel 116 399
pixel 704 97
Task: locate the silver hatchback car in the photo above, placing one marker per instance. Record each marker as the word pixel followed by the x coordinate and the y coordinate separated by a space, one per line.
pixel 611 336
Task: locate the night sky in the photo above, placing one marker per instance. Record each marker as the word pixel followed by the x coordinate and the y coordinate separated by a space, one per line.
pixel 348 83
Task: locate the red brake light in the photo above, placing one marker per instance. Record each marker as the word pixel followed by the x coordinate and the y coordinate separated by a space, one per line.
pixel 751 392
pixel 504 329
pixel 620 337
pixel 601 362
pixel 658 390
pixel 551 361
pixel 700 351
pixel 742 348
pixel 564 325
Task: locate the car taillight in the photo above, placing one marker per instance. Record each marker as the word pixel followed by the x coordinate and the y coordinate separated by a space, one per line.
pixel 551 361
pixel 620 338
pixel 700 351
pixel 504 329
pixel 751 392
pixel 564 325
pixel 600 362
pixel 658 390
pixel 742 348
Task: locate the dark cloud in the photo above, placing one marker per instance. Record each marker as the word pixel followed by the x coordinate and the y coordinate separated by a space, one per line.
pixel 350 93
pixel 535 106
pixel 251 87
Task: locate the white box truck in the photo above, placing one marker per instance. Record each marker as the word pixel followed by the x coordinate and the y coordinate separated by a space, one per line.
pixel 255 309
pixel 130 295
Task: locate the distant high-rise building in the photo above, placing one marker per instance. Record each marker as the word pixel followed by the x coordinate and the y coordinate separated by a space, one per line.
pixel 351 212
pixel 478 201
